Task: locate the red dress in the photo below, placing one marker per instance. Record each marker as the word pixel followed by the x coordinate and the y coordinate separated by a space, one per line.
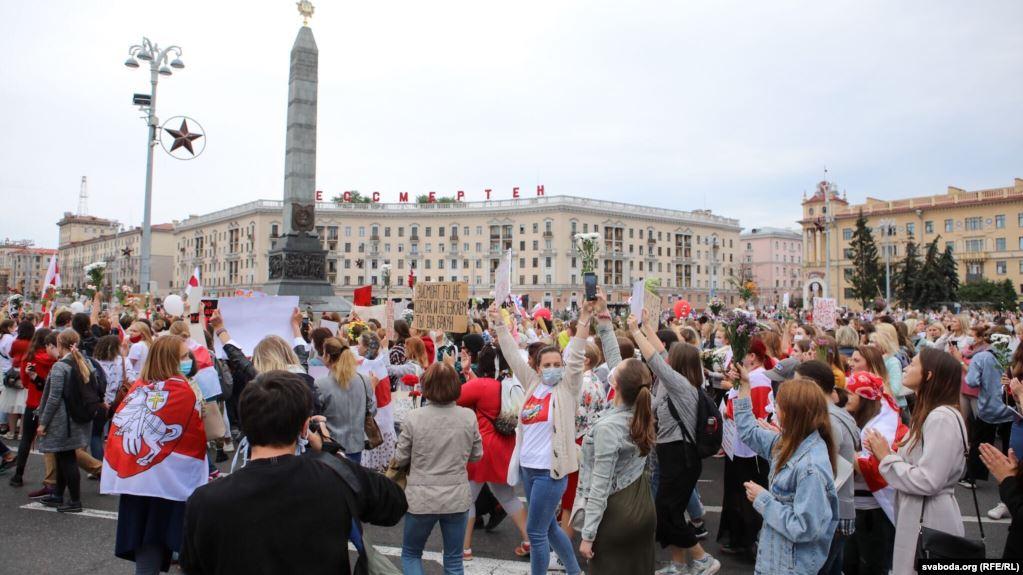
pixel 483 395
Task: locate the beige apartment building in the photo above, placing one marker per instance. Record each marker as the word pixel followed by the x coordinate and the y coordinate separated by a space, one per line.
pixel 88 239
pixel 692 253
pixel 23 267
pixel 773 259
pixel 983 227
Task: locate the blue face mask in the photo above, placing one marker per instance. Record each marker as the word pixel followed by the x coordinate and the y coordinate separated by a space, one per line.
pixel 185 367
pixel 551 375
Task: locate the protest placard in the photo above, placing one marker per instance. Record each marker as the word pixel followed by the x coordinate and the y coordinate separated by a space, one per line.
pixel 824 310
pixel 502 281
pixel 443 306
pixel 368 312
pixel 652 306
pixel 250 319
pixel 331 325
pixel 636 303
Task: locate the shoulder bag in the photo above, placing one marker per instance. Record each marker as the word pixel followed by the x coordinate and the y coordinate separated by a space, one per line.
pixel 374 438
pixel 935 545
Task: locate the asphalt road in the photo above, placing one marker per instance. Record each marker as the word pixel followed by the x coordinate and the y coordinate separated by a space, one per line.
pixel 37 540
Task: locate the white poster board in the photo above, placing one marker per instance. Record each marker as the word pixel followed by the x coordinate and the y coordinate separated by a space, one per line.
pixel 502 279
pixel 249 319
pixel 331 325
pixel 368 312
pixel 636 304
pixel 824 312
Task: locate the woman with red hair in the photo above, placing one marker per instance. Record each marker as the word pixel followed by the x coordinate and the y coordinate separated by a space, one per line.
pixel 740 523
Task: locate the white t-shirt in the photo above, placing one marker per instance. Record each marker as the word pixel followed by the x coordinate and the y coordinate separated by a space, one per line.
pixel 136 358
pixel 537 428
pixel 5 352
pixel 376 366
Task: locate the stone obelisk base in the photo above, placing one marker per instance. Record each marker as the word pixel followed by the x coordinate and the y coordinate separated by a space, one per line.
pixel 298 267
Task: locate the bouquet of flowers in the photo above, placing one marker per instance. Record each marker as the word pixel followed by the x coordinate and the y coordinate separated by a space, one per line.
pixel 716 305
pixel 352 331
pixel 122 294
pixel 748 290
pixel 587 246
pixel 1000 349
pixel 713 361
pixel 94 277
pixel 740 328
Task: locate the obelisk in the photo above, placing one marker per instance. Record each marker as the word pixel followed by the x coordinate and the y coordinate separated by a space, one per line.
pixel 297 263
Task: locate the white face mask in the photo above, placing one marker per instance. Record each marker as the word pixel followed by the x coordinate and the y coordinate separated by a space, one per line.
pixel 798 337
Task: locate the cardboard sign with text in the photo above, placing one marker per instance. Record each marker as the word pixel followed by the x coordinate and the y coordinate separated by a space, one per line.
pixel 824 312
pixel 443 306
pixel 652 306
pixel 368 312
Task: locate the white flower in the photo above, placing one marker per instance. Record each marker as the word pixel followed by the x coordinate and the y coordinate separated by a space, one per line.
pixel 1001 339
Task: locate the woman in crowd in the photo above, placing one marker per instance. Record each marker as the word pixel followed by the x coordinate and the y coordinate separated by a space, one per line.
pixel 482 393
pixel 35 362
pixel 870 359
pixel 108 355
pixel 930 459
pixel 545 438
pixel 592 401
pixel 679 464
pixel 618 519
pixel 151 506
pixel 436 443
pixel 12 399
pixel 346 397
pixel 401 333
pixel 869 549
pixel 140 338
pixel 58 433
pixel 8 335
pixel 994 418
pixel 1008 472
pixel 800 507
pixel 740 522
pixel 884 339
pixel 373 366
pixel 847 340
pixel 826 350
pixel 935 336
pixel 958 327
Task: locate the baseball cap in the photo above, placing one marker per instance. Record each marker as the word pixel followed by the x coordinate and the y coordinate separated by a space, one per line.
pixel 783 371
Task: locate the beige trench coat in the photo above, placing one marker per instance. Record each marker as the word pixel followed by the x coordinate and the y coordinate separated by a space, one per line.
pixel 928 472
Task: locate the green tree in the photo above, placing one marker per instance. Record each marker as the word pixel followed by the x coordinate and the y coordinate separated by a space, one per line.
pixel 947 263
pixel 425 199
pixel 866 271
pixel 986 293
pixel 931 287
pixel 356 198
pixel 907 276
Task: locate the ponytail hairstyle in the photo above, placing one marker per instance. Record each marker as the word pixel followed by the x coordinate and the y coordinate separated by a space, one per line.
pixel 68 339
pixel 633 380
pixel 340 360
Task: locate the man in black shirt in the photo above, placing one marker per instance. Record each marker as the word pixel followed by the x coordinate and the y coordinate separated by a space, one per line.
pixel 284 513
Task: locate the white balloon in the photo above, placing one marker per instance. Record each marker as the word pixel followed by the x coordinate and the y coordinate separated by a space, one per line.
pixel 174 305
pixel 77 307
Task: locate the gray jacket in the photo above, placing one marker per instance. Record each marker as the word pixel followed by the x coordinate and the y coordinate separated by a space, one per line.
pixel 345 409
pixel 62 432
pixel 672 384
pixel 436 442
pixel 610 462
pixel 846 435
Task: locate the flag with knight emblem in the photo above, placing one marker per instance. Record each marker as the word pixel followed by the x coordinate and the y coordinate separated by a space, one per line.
pixel 157 444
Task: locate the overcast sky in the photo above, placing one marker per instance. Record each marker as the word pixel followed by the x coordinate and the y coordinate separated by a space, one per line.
pixel 732 106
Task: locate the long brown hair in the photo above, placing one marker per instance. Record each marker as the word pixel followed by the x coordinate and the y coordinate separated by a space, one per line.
pixel 875 363
pixel 68 339
pixel 941 388
pixel 415 350
pixel 804 410
pixel 163 360
pixel 685 359
pixel 633 380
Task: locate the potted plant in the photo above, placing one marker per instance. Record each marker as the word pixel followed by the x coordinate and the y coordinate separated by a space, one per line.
pixel 587 246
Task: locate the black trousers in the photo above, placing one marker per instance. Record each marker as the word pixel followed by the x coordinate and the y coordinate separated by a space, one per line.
pixel 869 550
pixel 983 432
pixel 679 470
pixel 29 424
pixel 740 522
pixel 68 476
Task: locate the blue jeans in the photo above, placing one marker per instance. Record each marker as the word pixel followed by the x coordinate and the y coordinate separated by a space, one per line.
pixel 543 496
pixel 833 564
pixel 96 440
pixel 355 457
pixel 417 531
pixel 1016 438
pixel 695 506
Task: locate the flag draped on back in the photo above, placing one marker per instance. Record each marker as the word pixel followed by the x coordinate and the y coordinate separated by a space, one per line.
pixel 889 424
pixel 157 443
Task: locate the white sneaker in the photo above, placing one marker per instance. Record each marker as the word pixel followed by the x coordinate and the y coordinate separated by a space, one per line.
pixel 673 569
pixel 555 565
pixel 706 566
pixel 999 511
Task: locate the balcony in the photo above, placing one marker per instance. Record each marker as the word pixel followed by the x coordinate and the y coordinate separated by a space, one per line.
pixel 374 237
pixel 414 237
pixel 453 238
pixel 547 235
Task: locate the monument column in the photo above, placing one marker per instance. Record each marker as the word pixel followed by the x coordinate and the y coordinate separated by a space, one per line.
pixel 297 263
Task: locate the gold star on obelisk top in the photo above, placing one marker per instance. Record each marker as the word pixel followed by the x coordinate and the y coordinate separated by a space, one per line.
pixel 182 137
pixel 306 9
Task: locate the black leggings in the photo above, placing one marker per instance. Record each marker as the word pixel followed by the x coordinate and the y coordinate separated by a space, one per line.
pixel 67 475
pixel 680 468
pixel 29 423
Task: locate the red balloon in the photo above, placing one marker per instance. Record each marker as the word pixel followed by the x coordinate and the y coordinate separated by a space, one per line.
pixel 682 309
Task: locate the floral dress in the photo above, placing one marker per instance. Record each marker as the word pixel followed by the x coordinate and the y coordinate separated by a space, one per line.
pixel 592 402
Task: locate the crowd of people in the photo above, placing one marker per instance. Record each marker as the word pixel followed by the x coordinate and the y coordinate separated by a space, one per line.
pixel 839 445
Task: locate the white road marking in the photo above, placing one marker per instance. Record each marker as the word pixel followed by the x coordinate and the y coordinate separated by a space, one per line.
pixel 97 513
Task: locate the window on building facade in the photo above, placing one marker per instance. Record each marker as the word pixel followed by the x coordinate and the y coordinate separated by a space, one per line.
pixel 536 245
pixel 1000 221
pixel 949 226
pixel 1000 267
pixel 999 244
pixel 975 245
pixel 847 234
pixel 974 223
pixel 910 228
pixel 928 227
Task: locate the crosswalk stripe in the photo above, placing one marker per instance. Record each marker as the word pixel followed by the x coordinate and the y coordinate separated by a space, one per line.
pixel 97 513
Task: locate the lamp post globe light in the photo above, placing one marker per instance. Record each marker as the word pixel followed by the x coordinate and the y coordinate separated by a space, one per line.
pixel 160 60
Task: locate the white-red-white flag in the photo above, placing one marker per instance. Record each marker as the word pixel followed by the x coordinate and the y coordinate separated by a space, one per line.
pixel 52 279
pixel 193 291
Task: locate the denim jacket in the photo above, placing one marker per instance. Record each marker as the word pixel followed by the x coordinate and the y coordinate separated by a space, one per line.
pixel 800 509
pixel 610 462
pixel 985 372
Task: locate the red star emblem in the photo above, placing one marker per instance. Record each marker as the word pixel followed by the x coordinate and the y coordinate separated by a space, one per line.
pixel 182 137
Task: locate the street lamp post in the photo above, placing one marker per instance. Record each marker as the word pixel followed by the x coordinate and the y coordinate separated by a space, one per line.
pixel 150 52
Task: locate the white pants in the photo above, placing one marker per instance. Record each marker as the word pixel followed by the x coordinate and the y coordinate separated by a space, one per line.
pixel 504 493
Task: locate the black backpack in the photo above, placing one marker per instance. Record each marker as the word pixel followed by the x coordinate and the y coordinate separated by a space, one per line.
pixel 83 401
pixel 708 425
